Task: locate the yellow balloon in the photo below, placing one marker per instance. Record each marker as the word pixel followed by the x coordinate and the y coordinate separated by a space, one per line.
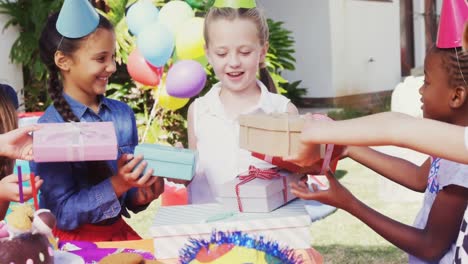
pixel 166 101
pixel 189 39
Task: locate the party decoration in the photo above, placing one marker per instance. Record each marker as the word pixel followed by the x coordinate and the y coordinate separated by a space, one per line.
pixel 174 14
pixel 141 71
pixel 186 78
pixel 236 247
pixel 77 19
pixel 20 184
pixel 235 3
pixel 189 39
pixel 465 37
pixel 200 4
pixel 34 190
pixel 156 44
pixel 168 102
pixel 141 14
pixel 453 16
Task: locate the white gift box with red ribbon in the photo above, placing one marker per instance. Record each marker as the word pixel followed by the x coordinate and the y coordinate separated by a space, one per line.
pixel 173 226
pixel 259 190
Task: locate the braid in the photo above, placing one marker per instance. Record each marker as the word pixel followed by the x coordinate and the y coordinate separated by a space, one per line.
pixel 60 104
pixel 458 64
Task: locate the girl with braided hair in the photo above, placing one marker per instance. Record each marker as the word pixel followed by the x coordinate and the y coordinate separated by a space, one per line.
pixel 432 239
pixel 90 198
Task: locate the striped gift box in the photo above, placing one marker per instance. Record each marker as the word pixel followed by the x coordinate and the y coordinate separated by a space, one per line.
pixel 174 225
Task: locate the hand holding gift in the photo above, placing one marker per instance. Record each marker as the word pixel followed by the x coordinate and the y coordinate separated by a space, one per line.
pixel 147 194
pixel 130 169
pixel 336 195
pixel 17 144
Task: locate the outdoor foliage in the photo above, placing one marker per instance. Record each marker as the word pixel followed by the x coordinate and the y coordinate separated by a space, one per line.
pixel 168 126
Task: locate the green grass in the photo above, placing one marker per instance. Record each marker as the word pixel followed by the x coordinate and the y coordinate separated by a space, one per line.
pixel 340 237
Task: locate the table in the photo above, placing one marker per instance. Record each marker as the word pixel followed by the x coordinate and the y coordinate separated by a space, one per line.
pixel 309 255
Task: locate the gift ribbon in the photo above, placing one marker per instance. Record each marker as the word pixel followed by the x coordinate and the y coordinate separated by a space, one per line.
pixel 235 3
pixel 264 174
pixel 325 166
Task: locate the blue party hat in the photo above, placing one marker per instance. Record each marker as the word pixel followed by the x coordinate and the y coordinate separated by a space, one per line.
pixel 77 19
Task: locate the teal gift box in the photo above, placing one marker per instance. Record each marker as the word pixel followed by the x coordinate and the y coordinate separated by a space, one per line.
pixel 167 161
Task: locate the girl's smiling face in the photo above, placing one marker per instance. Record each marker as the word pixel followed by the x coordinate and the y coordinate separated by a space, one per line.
pixel 235 52
pixel 91 65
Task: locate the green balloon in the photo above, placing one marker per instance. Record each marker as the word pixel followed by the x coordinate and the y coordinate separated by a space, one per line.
pixel 200 4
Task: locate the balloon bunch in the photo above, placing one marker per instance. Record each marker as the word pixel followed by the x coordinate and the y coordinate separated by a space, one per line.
pixel 171 32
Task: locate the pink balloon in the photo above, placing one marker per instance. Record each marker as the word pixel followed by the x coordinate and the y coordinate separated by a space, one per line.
pixel 141 71
pixel 186 78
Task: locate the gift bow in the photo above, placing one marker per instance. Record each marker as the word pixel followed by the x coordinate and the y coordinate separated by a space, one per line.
pixel 264 174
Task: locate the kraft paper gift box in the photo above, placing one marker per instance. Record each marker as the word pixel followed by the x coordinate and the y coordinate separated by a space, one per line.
pixel 174 225
pixel 167 161
pixel 272 134
pixel 258 195
pixel 75 141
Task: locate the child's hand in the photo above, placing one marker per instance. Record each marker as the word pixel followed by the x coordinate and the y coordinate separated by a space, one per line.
pixel 128 176
pixel 9 188
pixel 336 195
pixel 17 144
pixel 306 155
pixel 147 194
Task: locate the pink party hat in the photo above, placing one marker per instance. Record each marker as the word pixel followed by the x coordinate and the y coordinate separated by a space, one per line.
pixel 453 16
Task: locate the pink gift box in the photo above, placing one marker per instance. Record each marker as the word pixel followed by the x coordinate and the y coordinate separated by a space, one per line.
pixel 81 141
pixel 259 195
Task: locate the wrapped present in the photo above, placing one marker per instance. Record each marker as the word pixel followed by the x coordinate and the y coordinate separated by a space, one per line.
pixel 259 190
pixel 174 225
pixel 272 134
pixel 80 141
pixel 167 161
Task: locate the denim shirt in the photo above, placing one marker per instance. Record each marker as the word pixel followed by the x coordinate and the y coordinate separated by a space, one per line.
pixel 66 190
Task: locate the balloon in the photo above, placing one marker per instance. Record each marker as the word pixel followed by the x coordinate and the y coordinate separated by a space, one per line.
pixel 203 60
pixel 156 44
pixel 186 78
pixel 141 71
pixel 189 39
pixel 174 14
pixel 200 4
pixel 168 102
pixel 141 14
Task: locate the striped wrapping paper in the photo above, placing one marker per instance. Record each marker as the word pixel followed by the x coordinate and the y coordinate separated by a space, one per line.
pixel 174 225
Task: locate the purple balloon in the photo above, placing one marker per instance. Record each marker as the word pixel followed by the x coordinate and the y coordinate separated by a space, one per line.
pixel 186 78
